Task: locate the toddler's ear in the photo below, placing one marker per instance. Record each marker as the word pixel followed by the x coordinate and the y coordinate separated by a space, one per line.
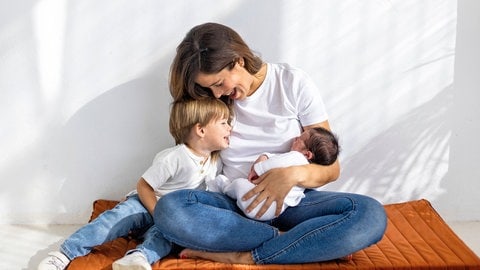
pixel 199 130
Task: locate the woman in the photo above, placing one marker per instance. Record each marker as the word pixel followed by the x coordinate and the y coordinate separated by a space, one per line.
pixel 272 104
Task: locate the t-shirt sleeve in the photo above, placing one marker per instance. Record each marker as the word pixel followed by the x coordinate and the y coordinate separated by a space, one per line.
pixel 309 102
pixel 158 174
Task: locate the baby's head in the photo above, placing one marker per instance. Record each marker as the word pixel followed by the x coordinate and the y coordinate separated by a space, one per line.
pixel 319 145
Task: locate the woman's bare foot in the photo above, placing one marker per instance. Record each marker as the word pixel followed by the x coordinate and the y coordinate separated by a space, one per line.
pixel 347 258
pixel 224 257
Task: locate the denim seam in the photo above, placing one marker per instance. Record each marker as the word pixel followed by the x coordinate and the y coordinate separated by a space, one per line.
pixel 66 252
pixel 192 200
pixel 275 232
pixel 323 228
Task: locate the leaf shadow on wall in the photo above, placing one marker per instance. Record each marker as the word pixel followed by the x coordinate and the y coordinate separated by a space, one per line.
pixel 407 161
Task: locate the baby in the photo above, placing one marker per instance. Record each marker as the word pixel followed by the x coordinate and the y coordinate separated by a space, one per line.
pixel 316 145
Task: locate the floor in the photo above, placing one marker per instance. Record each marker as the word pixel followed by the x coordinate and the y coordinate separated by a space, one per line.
pixel 23 246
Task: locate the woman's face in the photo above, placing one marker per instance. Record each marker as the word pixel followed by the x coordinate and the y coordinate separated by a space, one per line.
pixel 235 83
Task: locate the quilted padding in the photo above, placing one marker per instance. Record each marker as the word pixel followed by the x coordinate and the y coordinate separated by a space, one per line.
pixel 416 238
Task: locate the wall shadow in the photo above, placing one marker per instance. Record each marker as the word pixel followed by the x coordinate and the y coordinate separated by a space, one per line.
pixel 108 144
pixel 387 167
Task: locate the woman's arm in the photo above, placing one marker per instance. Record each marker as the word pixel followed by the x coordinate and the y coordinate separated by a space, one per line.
pixel 315 175
pixel 274 185
pixel 147 195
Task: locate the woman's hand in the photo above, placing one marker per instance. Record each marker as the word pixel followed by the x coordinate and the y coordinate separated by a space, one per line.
pixel 272 186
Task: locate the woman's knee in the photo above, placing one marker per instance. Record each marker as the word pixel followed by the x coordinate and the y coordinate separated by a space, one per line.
pixel 169 202
pixel 374 217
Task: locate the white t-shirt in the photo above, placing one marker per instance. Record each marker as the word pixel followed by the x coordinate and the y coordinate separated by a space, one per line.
pixel 270 118
pixel 178 168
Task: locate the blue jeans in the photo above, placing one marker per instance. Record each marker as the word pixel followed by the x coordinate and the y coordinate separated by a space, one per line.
pixel 128 216
pixel 324 226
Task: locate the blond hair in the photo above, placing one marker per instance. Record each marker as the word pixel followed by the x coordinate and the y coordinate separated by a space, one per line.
pixel 185 114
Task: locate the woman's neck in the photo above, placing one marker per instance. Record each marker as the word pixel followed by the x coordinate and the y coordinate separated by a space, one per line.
pixel 258 79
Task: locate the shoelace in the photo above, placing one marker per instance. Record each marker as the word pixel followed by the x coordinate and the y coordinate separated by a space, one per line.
pixel 57 262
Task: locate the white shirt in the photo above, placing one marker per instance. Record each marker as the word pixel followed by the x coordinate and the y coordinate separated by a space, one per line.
pixel 270 118
pixel 178 168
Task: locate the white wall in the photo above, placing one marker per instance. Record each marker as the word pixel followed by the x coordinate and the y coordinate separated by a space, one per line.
pixel 462 182
pixel 84 96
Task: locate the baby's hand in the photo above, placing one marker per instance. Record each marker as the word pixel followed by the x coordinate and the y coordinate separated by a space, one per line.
pixel 253 174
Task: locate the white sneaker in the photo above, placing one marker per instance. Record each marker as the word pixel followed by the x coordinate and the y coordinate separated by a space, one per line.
pixel 133 261
pixel 55 261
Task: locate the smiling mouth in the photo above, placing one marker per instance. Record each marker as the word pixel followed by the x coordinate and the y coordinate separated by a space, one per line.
pixel 232 93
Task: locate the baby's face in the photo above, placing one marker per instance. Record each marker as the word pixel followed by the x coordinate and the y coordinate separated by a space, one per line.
pixel 299 142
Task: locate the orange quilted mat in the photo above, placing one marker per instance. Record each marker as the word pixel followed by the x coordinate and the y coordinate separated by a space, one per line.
pixel 416 238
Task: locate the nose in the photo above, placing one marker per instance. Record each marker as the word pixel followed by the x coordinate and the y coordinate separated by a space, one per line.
pixel 221 90
pixel 217 93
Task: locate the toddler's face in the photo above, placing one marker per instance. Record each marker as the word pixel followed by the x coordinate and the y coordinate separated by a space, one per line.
pixel 217 134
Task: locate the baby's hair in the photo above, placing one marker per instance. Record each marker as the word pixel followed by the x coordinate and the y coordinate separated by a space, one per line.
pixel 324 146
pixel 185 114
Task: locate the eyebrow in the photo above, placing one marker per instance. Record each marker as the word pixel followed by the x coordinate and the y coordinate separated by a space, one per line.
pixel 216 82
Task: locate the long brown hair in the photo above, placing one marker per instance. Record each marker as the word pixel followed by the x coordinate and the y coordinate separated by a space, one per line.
pixel 207 48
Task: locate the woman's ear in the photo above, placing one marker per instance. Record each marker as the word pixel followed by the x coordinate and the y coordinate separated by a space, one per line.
pixel 241 61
